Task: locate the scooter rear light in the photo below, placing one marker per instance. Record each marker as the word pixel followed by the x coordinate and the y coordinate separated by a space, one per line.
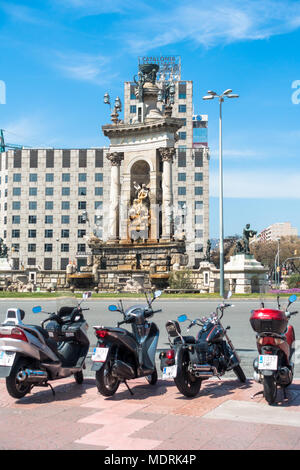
pixel 101 333
pixel 14 333
pixel 170 354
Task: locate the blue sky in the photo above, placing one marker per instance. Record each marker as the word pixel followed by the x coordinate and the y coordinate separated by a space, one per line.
pixel 58 58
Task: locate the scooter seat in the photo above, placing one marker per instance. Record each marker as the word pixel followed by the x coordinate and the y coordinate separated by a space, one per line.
pixel 41 330
pixel 187 339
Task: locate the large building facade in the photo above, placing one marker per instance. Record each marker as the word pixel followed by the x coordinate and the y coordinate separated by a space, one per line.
pixel 52 199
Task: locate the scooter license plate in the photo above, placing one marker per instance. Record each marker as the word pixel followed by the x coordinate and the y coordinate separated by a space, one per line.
pixel 267 362
pixel 100 354
pixel 7 358
pixel 169 372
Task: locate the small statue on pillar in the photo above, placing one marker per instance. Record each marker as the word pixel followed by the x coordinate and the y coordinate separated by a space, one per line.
pixel 139 214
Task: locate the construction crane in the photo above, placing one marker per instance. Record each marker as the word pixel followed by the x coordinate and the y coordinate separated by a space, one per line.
pixel 6 146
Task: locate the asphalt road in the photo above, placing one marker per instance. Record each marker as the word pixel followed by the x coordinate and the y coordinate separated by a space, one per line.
pixel 237 316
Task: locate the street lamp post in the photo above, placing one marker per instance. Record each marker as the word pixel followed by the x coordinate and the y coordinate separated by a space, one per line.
pixel 210 96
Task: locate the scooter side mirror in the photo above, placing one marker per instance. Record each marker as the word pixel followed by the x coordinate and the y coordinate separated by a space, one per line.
pixel 37 309
pixel 112 308
pixel 182 318
pixel 292 298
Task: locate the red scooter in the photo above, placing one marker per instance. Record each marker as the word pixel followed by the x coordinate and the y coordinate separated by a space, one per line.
pixel 276 346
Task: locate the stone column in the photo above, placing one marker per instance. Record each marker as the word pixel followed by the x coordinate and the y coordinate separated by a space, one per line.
pixel 167 155
pixel 115 158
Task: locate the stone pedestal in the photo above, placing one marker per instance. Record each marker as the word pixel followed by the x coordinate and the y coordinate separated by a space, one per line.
pixel 245 274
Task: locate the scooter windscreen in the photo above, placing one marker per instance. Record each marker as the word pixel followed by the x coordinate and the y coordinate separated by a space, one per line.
pixel 65 305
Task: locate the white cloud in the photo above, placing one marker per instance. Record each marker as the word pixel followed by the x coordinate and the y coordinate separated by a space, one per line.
pixel 210 23
pixel 85 67
pixel 267 184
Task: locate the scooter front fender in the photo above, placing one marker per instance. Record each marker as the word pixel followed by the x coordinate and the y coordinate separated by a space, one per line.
pixel 97 366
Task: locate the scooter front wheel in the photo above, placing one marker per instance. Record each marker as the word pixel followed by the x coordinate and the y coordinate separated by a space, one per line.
pixel 15 387
pixel 107 385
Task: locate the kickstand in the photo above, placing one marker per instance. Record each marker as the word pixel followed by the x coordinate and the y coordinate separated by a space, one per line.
pixel 257 393
pixel 53 391
pixel 130 391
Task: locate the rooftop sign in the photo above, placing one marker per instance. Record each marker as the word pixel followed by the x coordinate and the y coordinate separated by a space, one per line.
pixel 169 66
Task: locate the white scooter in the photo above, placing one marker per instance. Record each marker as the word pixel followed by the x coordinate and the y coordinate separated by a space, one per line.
pixel 32 355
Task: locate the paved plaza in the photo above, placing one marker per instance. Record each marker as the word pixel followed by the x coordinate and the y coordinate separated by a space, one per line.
pixel 223 416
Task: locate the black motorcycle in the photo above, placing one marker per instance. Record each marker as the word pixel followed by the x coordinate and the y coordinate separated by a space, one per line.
pixel 191 360
pixel 121 355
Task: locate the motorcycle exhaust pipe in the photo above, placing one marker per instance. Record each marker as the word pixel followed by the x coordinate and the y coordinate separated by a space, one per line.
pixel 204 371
pixel 32 375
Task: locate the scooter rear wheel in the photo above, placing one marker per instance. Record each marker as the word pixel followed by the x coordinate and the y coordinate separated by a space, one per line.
pixel 15 387
pixel 78 376
pixel 107 384
pixel 152 379
pixel 270 389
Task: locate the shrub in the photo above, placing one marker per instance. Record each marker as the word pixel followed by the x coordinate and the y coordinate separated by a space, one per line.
pixel 293 281
pixel 180 279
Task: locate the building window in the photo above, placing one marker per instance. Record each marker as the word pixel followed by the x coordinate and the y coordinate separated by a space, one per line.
pixel 48 247
pixel 15 219
pixel 16 191
pixel 48 233
pixel 182 108
pixel 182 135
pixel 16 205
pixel 32 219
pixel 198 205
pixel 82 158
pixel 81 219
pixel 31 247
pixel 33 159
pixel 48 219
pixel 15 233
pixel 198 176
pixel 48 264
pixel 82 205
pixel 198 233
pixel 181 176
pixel 31 233
pixel 98 191
pixel 81 247
pixel 82 191
pixel 33 177
pixel 32 205
pixel 199 247
pixel 98 205
pixel 64 263
pixel 65 191
pixel 17 178
pixel 49 205
pixel 65 219
pixel 32 191
pixel 64 247
pixel 198 190
pixel 181 190
pixel 132 109
pixel 49 191
pixel 49 158
pixel 15 247
pixel 198 219
pixel 17 159
pixel 49 177
pixel 31 261
pixel 198 159
pixel 65 233
pixel 99 158
pixel 65 177
pixel 181 156
pixel 81 233
pixel 82 177
pixel 66 159
pixel 65 205
pixel 98 176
